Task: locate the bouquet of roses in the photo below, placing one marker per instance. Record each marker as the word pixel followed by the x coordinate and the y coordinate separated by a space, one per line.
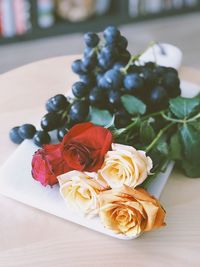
pixel 99 177
pixel 125 121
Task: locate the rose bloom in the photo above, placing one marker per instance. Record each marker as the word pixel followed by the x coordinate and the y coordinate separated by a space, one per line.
pixel 85 145
pixel 80 190
pixel 47 164
pixel 125 165
pixel 130 211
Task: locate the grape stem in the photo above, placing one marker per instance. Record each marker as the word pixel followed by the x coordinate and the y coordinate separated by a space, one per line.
pixel 160 133
pixel 136 57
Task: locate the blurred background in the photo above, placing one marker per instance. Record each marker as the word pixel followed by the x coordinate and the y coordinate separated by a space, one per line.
pixel 31 30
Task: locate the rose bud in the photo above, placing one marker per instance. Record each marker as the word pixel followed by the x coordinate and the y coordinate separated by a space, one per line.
pixel 47 164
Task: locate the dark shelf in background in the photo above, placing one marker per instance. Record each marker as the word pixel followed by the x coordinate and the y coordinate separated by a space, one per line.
pixel 118 15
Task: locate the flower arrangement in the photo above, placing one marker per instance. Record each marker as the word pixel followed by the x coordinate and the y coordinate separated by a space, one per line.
pixel 100 178
pixel 124 123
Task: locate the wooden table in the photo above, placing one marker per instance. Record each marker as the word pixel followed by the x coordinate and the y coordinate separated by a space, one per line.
pixel 29 237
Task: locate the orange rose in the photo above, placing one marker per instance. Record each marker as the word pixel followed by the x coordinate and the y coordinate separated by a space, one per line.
pixel 130 211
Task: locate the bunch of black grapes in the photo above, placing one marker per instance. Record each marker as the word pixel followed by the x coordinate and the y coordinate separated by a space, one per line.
pixel 56 119
pixel 107 71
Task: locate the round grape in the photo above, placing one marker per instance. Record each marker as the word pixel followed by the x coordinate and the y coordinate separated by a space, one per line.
pixel 149 76
pixel 79 111
pixel 14 135
pixel 133 82
pixel 170 80
pixel 77 67
pixel 114 98
pixel 88 79
pixel 91 39
pixel 41 137
pixel 158 98
pixel 61 133
pixel 114 78
pixel 111 34
pixel 80 89
pixel 122 43
pixel 89 62
pixel 119 65
pixel 97 97
pixel 27 131
pixel 124 56
pixel 51 121
pixel 56 103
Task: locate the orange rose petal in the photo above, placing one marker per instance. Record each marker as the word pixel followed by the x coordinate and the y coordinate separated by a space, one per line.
pixel 130 211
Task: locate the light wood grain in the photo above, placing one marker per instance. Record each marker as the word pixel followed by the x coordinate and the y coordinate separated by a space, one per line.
pixel 29 237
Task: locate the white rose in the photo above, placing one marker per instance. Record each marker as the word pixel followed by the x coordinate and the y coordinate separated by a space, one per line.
pixel 125 165
pixel 80 190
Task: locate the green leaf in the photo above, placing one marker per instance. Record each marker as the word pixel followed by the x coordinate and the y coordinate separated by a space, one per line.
pixel 147 133
pixel 190 139
pixel 158 159
pixel 100 117
pixel 162 147
pixel 175 148
pixel 191 169
pixel 183 107
pixel 196 125
pixel 133 105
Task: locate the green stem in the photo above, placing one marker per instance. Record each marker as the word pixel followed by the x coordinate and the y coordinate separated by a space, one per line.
pixel 135 57
pixel 131 60
pixel 161 132
pixel 194 118
pixel 155 114
pixel 130 126
pixel 178 120
pixel 171 119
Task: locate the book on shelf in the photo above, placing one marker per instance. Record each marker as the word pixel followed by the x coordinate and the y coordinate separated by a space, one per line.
pixel 7 18
pixel 45 13
pixel 14 17
pixel 145 7
pixel 22 16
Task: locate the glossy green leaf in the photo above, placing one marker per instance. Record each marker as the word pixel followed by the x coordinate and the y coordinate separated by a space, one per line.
pixel 175 148
pixel 147 133
pixel 183 107
pixel 133 105
pixel 192 170
pixel 190 139
pixel 100 117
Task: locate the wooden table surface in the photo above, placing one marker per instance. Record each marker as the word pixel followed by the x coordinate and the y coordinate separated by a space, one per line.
pixel 29 237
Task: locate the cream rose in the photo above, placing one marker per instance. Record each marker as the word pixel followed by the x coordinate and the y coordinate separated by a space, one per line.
pixel 80 190
pixel 130 211
pixel 125 165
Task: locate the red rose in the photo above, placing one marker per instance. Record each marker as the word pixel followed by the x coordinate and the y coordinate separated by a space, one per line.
pixel 47 164
pixel 85 145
